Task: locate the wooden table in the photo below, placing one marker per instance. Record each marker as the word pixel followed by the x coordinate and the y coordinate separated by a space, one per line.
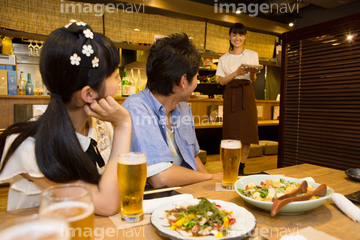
pixel 327 218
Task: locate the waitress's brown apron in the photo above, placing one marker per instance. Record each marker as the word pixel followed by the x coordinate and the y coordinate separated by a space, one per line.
pixel 240 114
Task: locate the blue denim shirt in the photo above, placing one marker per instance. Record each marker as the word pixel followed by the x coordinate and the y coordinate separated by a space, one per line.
pixel 148 133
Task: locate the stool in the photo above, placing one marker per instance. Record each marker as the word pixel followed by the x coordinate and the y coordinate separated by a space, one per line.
pixel 269 147
pixel 202 156
pixel 255 151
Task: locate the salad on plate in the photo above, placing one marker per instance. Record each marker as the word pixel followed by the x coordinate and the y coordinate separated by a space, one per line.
pixel 271 189
pixel 208 219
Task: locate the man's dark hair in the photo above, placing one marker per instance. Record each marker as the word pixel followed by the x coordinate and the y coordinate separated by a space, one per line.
pixel 169 59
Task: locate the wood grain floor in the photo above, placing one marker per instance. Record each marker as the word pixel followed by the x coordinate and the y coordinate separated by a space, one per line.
pixel 213 165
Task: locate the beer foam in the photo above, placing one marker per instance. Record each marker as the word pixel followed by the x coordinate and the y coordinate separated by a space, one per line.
pixel 230 144
pixel 37 229
pixel 132 158
pixel 53 210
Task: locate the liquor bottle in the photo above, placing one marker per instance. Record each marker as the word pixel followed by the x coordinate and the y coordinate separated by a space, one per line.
pixel 138 81
pixel 125 85
pixel 118 93
pixel 29 86
pixel 132 89
pixel 22 84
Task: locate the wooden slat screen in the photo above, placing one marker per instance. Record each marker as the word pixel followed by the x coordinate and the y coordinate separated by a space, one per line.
pixel 320 96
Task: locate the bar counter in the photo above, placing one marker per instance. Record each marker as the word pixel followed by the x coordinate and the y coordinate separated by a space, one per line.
pixel 199 108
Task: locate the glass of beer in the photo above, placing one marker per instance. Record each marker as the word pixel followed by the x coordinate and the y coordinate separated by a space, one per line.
pixel 35 228
pixel 72 202
pixel 230 152
pixel 132 174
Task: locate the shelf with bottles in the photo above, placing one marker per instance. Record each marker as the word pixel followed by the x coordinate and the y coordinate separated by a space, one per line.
pixel 130 83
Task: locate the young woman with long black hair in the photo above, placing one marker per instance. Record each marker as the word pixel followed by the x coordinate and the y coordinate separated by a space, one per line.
pixel 83 129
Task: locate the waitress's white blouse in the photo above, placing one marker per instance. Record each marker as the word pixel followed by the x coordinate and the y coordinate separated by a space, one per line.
pixel 26 194
pixel 229 63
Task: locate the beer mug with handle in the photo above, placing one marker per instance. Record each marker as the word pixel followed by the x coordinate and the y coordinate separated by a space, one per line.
pixel 132 174
pixel 230 152
pixel 72 202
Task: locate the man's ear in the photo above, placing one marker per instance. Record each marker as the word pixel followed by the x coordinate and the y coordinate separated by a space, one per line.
pixel 88 95
pixel 183 81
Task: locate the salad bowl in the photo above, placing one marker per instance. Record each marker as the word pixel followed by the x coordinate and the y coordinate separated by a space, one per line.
pixel 291 208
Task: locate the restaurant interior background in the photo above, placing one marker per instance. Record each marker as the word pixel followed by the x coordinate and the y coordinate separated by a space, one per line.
pixel 30 21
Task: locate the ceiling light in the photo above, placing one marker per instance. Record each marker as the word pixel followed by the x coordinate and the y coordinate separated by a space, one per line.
pixel 349 37
pixel 137 30
pixel 291 24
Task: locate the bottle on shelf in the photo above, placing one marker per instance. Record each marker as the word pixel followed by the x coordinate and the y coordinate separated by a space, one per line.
pixel 29 86
pixel 125 85
pixel 138 82
pixel 21 84
pixel 7 46
pixel 132 89
pixel 118 93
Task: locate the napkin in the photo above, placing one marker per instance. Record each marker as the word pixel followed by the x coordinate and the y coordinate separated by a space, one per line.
pixel 346 206
pixel 308 233
pixel 309 179
pixel 149 206
pixel 116 219
pixel 219 188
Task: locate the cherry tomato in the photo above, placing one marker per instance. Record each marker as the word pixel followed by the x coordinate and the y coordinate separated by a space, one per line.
pixel 232 221
pixel 247 187
pixel 195 229
pixel 218 206
pixel 262 183
pixel 217 226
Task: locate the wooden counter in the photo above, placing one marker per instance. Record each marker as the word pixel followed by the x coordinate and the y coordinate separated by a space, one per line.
pixel 199 108
pixel 220 124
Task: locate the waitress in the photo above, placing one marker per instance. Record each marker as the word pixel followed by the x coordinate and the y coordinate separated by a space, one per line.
pixel 240 114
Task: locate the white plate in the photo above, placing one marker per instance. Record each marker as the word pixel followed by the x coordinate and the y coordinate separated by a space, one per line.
pixel 202 96
pixel 250 65
pixel 245 221
pixel 291 208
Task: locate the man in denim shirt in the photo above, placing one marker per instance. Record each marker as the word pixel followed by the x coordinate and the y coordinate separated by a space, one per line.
pixel 162 123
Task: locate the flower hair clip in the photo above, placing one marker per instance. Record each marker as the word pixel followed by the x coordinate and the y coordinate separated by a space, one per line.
pixel 84 47
pixel 87 50
pixel 75 59
pixel 95 62
pixel 88 33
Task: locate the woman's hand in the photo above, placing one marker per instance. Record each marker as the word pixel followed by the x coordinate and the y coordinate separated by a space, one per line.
pixel 107 109
pixel 241 71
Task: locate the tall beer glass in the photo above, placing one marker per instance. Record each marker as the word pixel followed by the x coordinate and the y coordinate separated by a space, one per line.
pixel 72 202
pixel 230 152
pixel 132 173
pixel 35 228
